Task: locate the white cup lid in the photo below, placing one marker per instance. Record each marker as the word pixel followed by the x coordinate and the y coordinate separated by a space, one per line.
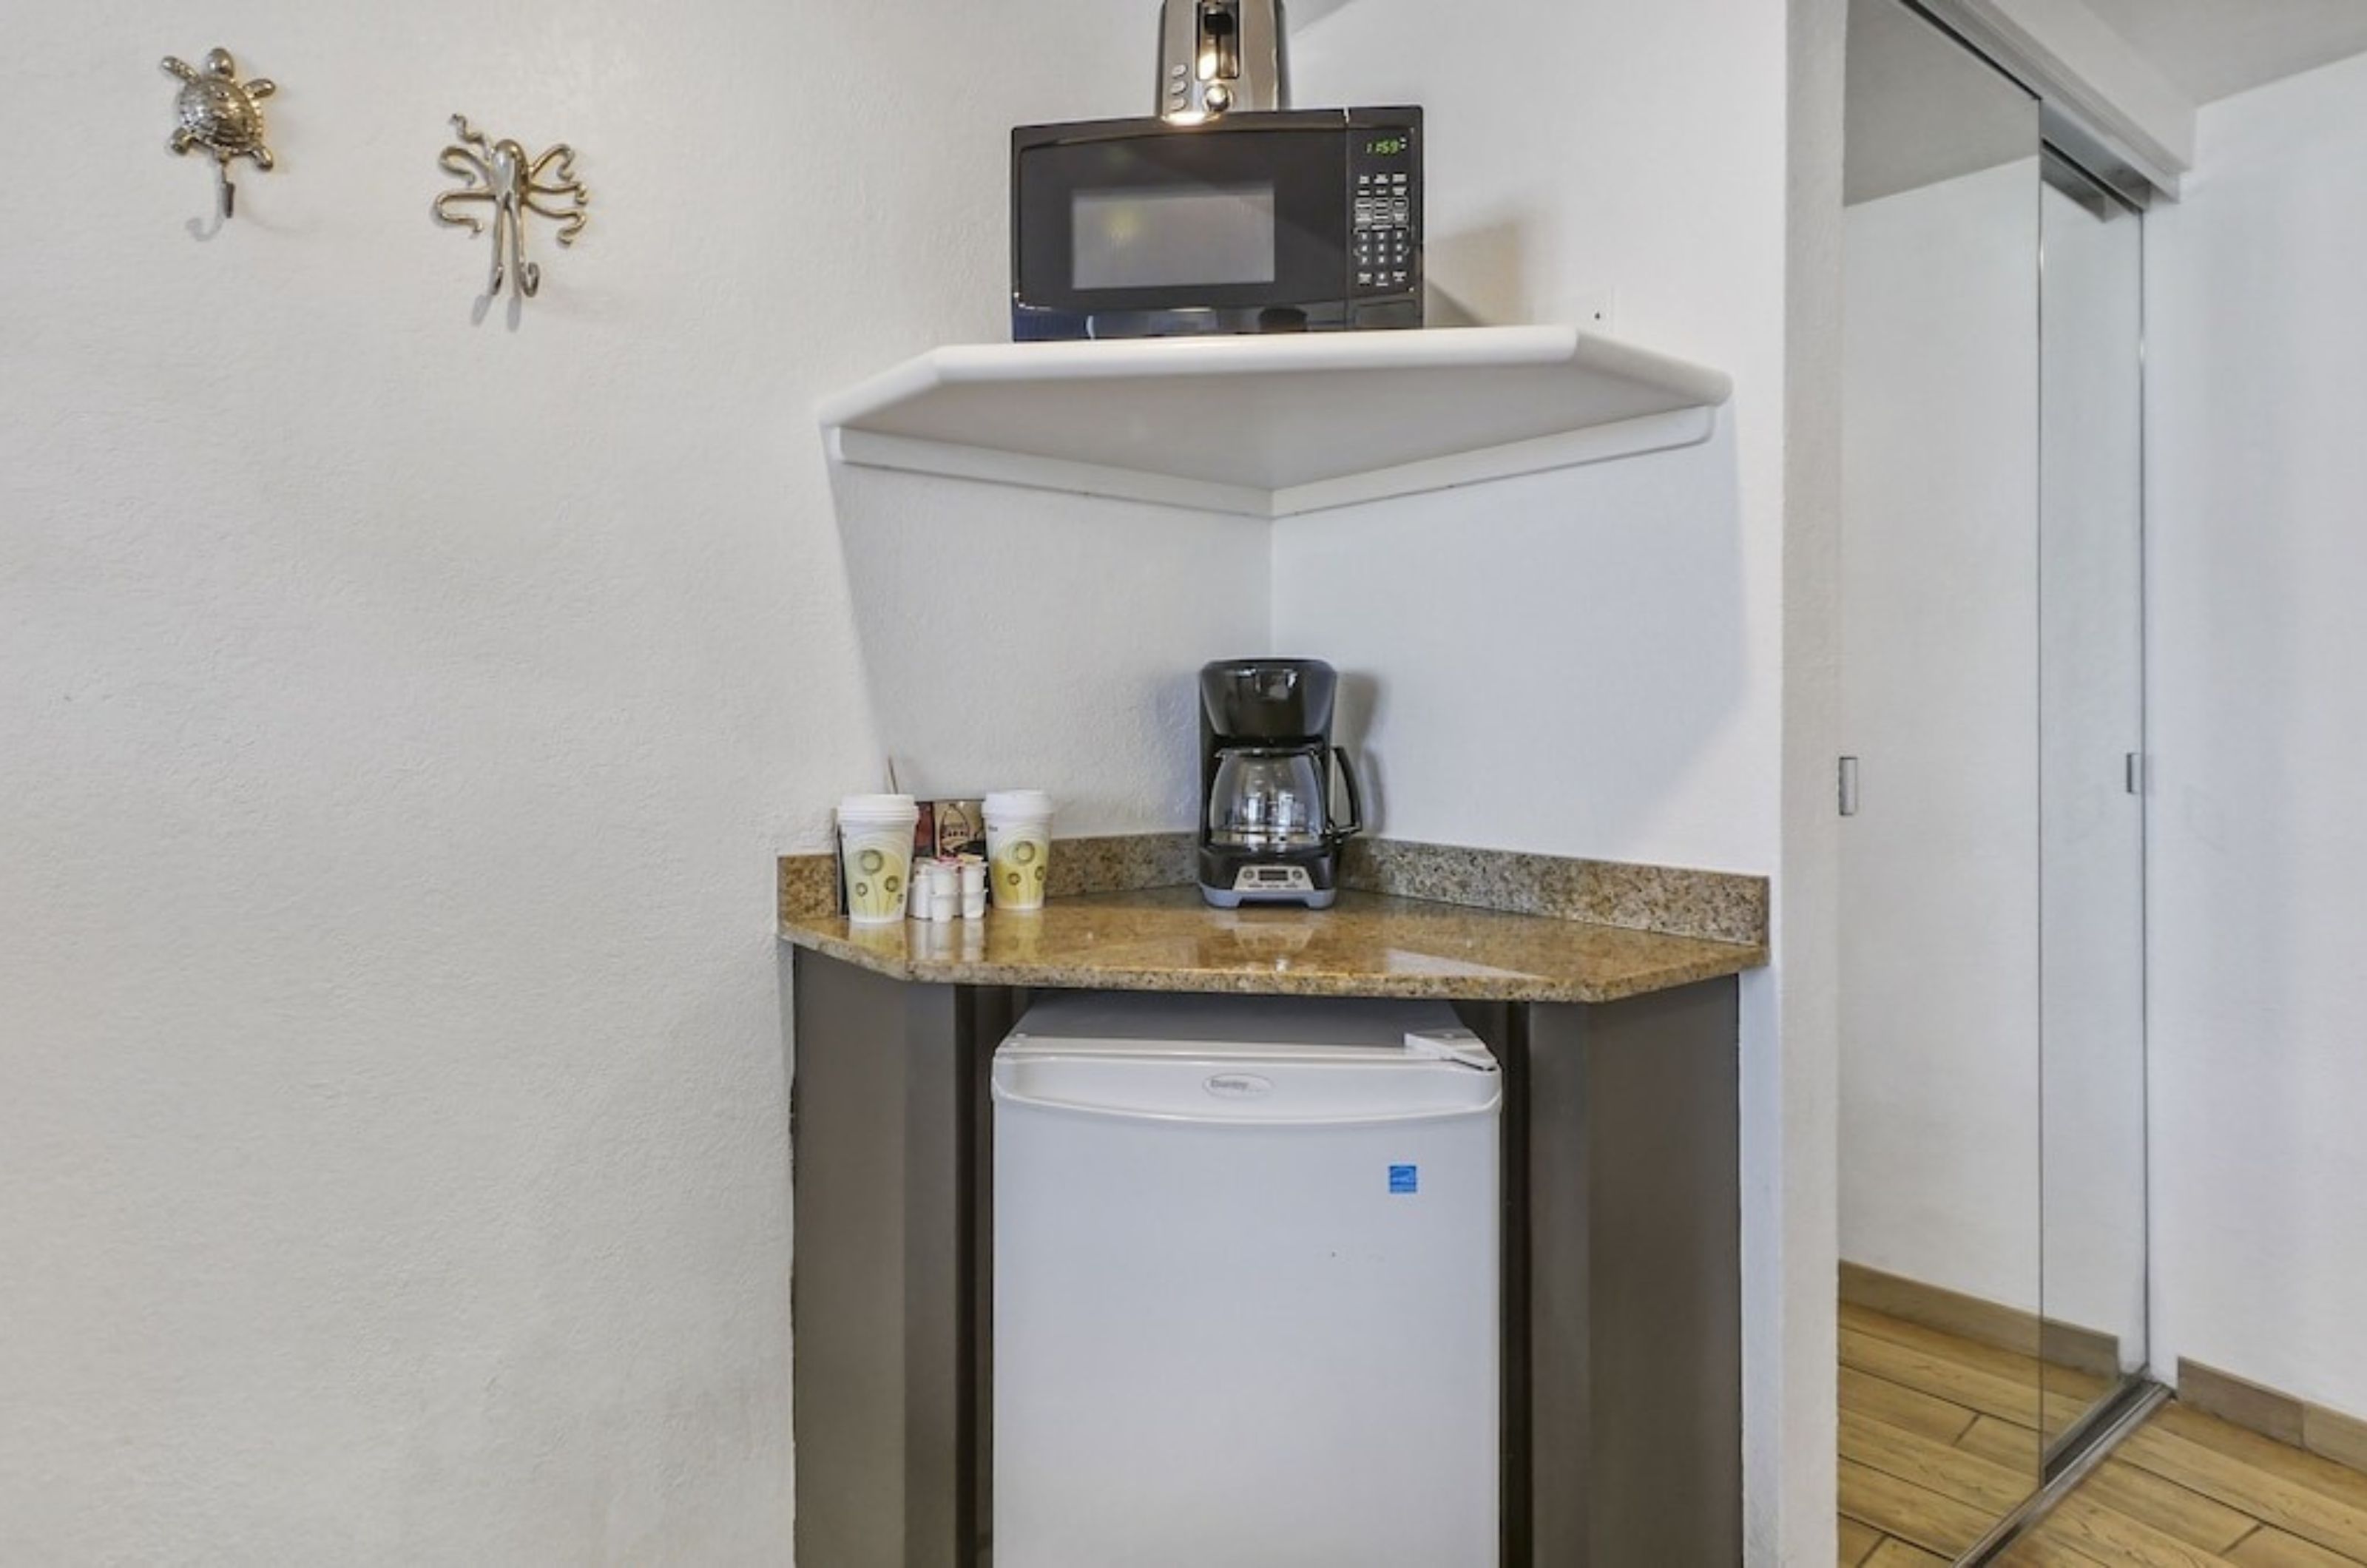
pixel 877 805
pixel 1027 804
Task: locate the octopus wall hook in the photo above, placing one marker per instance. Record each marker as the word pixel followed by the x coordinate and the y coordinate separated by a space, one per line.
pixel 501 176
pixel 221 114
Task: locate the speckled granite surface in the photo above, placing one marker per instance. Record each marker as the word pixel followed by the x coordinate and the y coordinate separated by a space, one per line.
pixel 809 886
pixel 1121 865
pixel 1717 905
pixel 1712 904
pixel 1573 930
pixel 1367 945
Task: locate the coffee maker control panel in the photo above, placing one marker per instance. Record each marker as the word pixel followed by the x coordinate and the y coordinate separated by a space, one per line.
pixel 1274 879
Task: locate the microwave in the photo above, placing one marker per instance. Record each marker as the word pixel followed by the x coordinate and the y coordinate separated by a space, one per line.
pixel 1255 222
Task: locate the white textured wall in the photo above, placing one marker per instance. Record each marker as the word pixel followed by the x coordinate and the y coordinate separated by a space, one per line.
pixel 1585 661
pixel 1939 1081
pixel 398 718
pixel 1592 661
pixel 1790 1094
pixel 2258 537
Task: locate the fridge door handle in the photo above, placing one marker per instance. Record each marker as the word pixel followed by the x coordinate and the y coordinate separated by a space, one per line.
pixel 1182 1119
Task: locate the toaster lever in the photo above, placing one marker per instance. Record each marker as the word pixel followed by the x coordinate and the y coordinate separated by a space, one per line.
pixel 1220 41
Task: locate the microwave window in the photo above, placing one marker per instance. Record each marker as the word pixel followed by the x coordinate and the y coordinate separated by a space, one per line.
pixel 1158 237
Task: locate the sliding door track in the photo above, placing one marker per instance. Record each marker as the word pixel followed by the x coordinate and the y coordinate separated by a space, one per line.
pixel 2088 1446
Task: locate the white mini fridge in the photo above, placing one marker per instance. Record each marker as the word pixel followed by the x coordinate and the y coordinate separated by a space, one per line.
pixel 1245 1262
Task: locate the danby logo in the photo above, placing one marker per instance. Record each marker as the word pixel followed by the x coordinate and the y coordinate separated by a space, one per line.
pixel 1238 1086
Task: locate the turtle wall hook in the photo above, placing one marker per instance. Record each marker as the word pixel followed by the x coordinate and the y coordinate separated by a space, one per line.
pixel 504 178
pixel 221 114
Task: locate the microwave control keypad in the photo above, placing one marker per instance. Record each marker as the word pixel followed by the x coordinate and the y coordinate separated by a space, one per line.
pixel 1384 230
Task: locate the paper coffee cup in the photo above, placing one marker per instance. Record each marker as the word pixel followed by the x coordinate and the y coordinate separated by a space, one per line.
pixel 875 840
pixel 1019 848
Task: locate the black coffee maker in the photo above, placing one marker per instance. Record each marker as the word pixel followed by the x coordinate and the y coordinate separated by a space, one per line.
pixel 1267 835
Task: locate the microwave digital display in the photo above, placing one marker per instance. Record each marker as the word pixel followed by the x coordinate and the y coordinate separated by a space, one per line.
pixel 1152 237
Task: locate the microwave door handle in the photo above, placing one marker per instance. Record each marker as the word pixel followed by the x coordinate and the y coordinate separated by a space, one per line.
pixel 1356 823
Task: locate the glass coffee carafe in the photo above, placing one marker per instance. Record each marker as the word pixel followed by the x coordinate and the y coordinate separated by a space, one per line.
pixel 1270 799
pixel 1274 798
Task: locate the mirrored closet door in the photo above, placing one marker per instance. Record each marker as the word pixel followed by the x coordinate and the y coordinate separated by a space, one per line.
pixel 1992 1157
pixel 2091 817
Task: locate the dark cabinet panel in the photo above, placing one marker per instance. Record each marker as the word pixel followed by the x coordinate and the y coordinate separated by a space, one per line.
pixel 1635 1258
pixel 1622 1258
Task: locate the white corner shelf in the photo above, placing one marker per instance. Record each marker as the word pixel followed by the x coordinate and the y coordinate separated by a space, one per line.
pixel 1272 426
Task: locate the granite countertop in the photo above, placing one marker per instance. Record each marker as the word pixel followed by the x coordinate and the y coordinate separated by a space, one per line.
pixel 1369 944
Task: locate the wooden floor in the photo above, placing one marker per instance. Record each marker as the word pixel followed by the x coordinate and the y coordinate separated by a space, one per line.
pixel 1939 1438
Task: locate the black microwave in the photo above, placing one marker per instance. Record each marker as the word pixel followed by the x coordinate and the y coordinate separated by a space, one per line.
pixel 1257 222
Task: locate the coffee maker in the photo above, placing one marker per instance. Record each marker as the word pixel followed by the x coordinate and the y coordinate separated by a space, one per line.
pixel 1267 835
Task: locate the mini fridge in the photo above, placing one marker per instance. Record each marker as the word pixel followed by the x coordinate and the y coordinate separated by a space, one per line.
pixel 1246 1288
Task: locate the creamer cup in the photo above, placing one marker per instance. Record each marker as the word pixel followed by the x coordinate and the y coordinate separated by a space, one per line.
pixel 875 840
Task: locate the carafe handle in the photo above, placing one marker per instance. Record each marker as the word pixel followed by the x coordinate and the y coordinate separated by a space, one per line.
pixel 1340 831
